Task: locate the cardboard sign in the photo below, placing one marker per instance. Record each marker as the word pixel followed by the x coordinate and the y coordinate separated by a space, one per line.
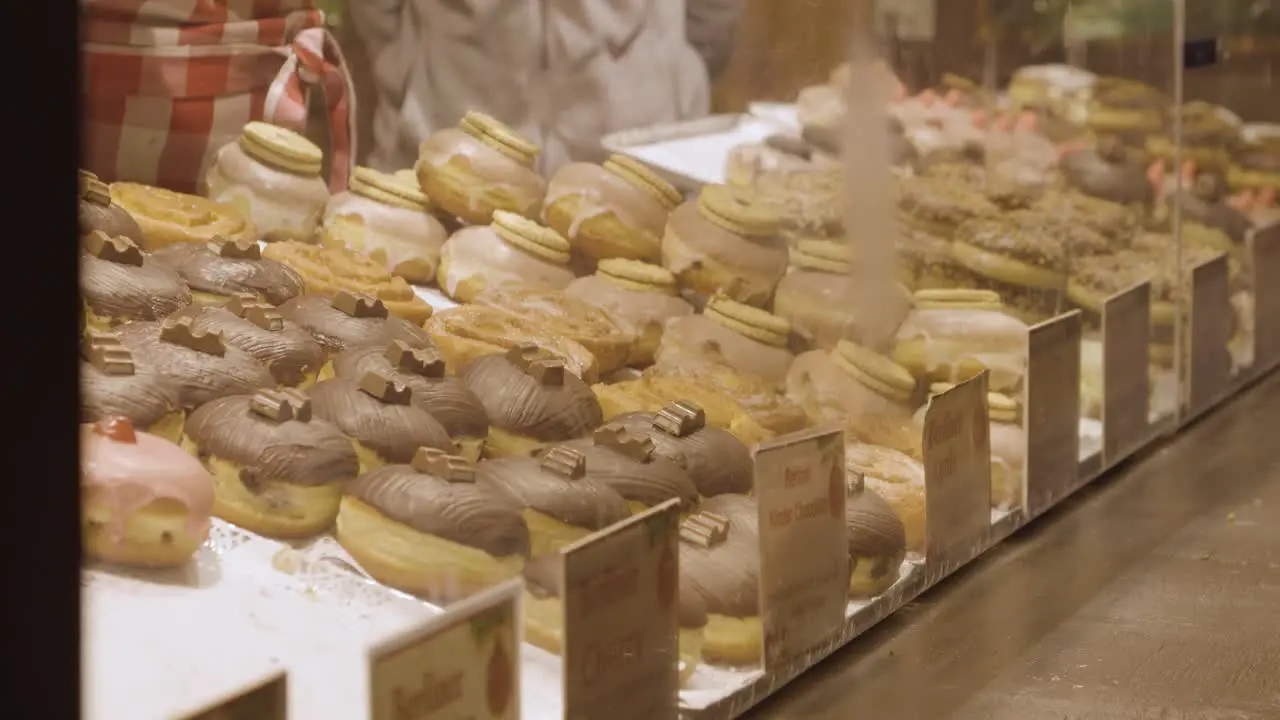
pixel 621 603
pixel 268 700
pixel 1209 332
pixel 1126 357
pixel 1051 412
pixel 461 665
pixel 1265 247
pixel 804 547
pixel 957 474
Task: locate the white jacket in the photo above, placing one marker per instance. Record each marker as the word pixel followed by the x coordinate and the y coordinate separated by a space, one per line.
pixel 563 72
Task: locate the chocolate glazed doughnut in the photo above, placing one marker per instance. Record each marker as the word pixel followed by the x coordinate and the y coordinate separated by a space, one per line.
pixel 119 282
pixel 221 269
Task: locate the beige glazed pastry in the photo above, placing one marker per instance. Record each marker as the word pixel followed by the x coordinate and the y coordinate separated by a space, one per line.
pixel 638 296
pixel 330 271
pixel 465 333
pixel 816 293
pixel 953 334
pixel 480 166
pixel 731 334
pixel 867 393
pixel 272 176
pixel 558 314
pixel 389 220
pixel 725 242
pixel 167 217
pixel 512 250
pixel 618 209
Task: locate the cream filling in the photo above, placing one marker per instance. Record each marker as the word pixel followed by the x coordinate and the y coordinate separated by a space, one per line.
pixel 390 235
pixel 277 508
pixel 274 200
pixel 479 252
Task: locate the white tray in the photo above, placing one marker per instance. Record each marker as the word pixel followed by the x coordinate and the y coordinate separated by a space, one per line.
pixel 691 154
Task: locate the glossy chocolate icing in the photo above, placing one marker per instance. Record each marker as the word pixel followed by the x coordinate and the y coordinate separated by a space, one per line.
pixel 448 399
pixel 144 396
pixel 198 376
pixel 727 575
pixel 337 331
pixel 150 291
pixel 542 577
pixel 110 218
pixel 308 453
pixel 632 466
pixel 717 461
pixel 581 502
pixel 463 512
pixel 205 270
pixel 517 402
pixel 875 532
pixel 393 431
pixel 288 352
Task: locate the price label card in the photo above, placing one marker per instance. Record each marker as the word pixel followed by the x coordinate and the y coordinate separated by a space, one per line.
pixel 621 603
pixel 1265 247
pixel 268 700
pixel 957 474
pixel 804 546
pixel 1051 412
pixel 461 665
pixel 1210 329
pixel 1126 358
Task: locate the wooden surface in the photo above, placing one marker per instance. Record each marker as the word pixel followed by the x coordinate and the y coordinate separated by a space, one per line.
pixel 1154 595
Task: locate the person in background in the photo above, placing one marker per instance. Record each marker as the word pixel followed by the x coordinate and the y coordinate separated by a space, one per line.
pixel 564 73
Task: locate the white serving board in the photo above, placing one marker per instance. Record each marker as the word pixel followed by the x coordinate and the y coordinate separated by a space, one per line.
pixel 692 153
pixel 784 114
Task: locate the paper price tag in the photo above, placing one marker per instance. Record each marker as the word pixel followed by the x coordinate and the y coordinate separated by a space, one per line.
pixel 267 700
pixel 1209 332
pixel 1265 248
pixel 621 603
pixel 1051 412
pixel 1126 353
pixel 804 548
pixel 461 665
pixel 957 474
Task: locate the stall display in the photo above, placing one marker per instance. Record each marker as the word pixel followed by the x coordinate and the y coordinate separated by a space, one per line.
pixel 461 377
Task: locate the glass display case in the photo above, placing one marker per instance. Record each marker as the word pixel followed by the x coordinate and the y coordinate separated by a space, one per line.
pixel 701 335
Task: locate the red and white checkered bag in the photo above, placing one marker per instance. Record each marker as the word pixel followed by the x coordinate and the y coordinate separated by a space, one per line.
pixel 168 82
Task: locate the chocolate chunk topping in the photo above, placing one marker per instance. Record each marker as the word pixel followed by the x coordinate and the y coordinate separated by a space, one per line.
pixel 94 190
pixel 104 351
pixel 624 442
pixel 178 330
pixel 453 468
pixel 282 405
pixel 538 364
pixel 417 361
pixel 565 462
pixel 358 305
pixel 705 529
pixel 241 249
pixel 680 418
pixel 118 249
pixel 383 388
pixel 249 307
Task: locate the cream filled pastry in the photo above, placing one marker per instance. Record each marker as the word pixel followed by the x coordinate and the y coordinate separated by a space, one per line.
pixel 351 320
pixel 466 333
pixel 480 166
pixel 388 219
pixel 638 296
pixel 726 242
pixel 430 529
pixel 119 283
pixel 717 462
pixel 877 540
pixel 98 212
pixel 422 370
pixel 544 612
pixel 221 269
pixel 198 363
pixel 618 209
pixel 627 461
pixel 277 470
pixel 864 391
pixel 512 250
pixel 952 335
pixel 731 334
pixel 1008 450
pixel 143 500
pixel 815 295
pixel 255 327
pixel 556 313
pixel 378 415
pixel 531 400
pixel 720 559
pixel 111 384
pixel 560 502
pixel 897 479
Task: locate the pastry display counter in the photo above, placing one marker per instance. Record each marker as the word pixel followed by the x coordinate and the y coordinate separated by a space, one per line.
pixel 662 430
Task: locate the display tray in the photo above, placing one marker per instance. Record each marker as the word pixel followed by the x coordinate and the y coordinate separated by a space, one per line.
pixel 691 154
